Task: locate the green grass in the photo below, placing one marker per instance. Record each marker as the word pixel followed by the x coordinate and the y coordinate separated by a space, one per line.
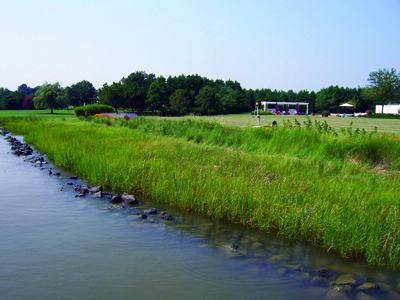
pixel 246 120
pixel 282 179
pixel 241 120
pixel 57 114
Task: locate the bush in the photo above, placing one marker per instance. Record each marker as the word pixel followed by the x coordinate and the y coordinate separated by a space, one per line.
pixel 369 112
pixel 326 113
pixel 383 116
pixel 262 112
pixel 92 109
pixel 167 112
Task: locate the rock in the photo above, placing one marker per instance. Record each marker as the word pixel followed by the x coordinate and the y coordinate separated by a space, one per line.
pixel 318 279
pixel 143 216
pixel 301 276
pixel 96 189
pixel 84 190
pixel 234 247
pixel 80 195
pixel 338 292
pixel 49 172
pixel 116 199
pixel 70 183
pixel 277 258
pixel 324 273
pixel 129 199
pixel 256 245
pixel 346 279
pixel 231 253
pixel 298 267
pixel 369 286
pixel 384 287
pixel 98 194
pixel 340 287
pixel 57 174
pixel 73 177
pixel 164 215
pixel 151 211
pixel 61 189
pixel 363 296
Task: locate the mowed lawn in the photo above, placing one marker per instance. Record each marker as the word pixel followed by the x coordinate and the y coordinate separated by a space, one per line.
pixel 389 126
pixel 45 113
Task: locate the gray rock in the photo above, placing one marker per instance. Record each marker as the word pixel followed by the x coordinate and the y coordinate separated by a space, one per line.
pixel 84 190
pixel 277 258
pixel 369 286
pixel 340 287
pixel 164 215
pixel 338 292
pixel 346 279
pixel 98 194
pixel 96 189
pixel 129 199
pixel 116 199
pixel 151 211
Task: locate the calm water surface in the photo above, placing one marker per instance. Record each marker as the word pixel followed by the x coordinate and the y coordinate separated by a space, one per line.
pixel 56 246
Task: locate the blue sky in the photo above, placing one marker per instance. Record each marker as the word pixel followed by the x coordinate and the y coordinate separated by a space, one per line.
pixel 285 44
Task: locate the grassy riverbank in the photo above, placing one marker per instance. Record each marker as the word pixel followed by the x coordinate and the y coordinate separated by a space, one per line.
pixel 339 191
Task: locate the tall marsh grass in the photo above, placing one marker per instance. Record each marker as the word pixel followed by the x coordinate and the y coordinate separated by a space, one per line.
pixel 336 190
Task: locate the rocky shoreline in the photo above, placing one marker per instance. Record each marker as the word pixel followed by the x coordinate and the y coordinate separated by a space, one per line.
pixel 21 149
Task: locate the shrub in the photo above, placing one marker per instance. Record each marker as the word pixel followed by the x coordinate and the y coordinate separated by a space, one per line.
pixel 326 113
pixel 369 112
pixel 262 112
pixel 383 116
pixel 92 109
pixel 27 102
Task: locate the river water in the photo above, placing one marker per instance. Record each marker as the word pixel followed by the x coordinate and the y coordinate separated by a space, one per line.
pixel 56 246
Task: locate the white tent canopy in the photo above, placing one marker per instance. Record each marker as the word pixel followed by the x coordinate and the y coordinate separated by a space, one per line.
pixel 266 103
pixel 346 105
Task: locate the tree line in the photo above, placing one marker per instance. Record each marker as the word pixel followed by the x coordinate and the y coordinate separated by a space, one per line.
pixel 186 94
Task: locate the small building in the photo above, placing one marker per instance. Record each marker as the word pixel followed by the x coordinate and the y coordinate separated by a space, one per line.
pixel 270 106
pixel 388 109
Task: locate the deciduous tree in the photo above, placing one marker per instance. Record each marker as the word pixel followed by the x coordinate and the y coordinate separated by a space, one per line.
pixel 50 96
pixel 111 95
pixel 384 85
pixel 178 101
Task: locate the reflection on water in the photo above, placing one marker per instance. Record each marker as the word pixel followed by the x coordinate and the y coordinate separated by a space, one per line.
pixel 56 246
